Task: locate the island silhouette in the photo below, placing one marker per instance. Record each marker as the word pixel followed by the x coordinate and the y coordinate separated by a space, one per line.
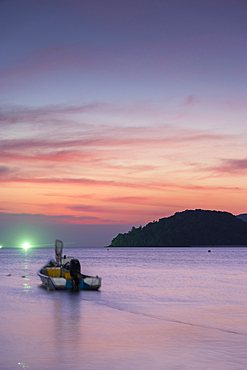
pixel 188 228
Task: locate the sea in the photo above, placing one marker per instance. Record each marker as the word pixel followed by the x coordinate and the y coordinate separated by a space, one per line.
pixel 158 308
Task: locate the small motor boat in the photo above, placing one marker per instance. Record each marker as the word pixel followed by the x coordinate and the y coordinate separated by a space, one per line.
pixel 65 273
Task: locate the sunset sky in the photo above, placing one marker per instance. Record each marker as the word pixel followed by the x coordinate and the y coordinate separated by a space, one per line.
pixel 117 113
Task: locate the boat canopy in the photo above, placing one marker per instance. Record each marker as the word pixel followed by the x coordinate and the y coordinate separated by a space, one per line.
pixel 59 251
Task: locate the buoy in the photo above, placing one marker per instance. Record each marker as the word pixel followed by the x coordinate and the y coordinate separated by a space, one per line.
pixel 108 249
pixel 209 250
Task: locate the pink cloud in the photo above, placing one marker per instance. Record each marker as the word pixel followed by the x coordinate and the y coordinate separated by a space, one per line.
pixel 4 170
pixel 191 99
pixel 236 103
pixel 59 156
pixel 130 200
pixel 142 185
pixel 232 166
pixel 51 58
pixel 71 181
pixel 101 149
pixel 111 209
pixel 81 58
pixel 19 114
pixel 108 136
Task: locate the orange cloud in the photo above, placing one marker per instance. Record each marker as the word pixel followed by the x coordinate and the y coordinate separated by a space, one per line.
pixel 121 173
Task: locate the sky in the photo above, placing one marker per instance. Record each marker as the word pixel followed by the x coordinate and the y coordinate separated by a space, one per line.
pixel 117 113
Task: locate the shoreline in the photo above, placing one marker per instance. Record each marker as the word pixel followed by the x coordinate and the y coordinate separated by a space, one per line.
pixel 180 246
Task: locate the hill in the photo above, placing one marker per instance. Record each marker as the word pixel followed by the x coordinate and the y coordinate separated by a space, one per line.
pixel 243 217
pixel 187 228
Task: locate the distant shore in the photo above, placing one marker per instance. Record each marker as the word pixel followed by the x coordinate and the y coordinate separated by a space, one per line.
pixel 180 246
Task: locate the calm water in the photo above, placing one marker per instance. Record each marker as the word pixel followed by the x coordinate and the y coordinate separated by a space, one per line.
pixel 174 308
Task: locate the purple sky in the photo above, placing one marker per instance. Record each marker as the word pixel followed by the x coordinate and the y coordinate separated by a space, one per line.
pixel 116 113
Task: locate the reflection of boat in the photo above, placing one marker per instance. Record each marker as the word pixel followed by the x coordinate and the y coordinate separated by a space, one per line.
pixel 65 273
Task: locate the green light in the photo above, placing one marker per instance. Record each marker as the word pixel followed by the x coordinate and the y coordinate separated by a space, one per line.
pixel 23 365
pixel 26 246
pixel 1 246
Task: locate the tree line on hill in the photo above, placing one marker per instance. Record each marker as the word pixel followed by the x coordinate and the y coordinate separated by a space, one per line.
pixel 187 228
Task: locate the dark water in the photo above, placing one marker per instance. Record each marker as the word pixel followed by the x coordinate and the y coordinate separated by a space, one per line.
pixel 174 308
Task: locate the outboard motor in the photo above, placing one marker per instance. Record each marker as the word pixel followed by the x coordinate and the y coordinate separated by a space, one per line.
pixel 75 272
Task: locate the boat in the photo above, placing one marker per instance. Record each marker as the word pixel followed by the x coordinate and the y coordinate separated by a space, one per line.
pixel 65 273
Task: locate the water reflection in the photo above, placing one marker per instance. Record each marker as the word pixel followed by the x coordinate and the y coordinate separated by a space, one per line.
pixel 22 365
pixel 26 288
pixel 67 329
pixel 25 276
